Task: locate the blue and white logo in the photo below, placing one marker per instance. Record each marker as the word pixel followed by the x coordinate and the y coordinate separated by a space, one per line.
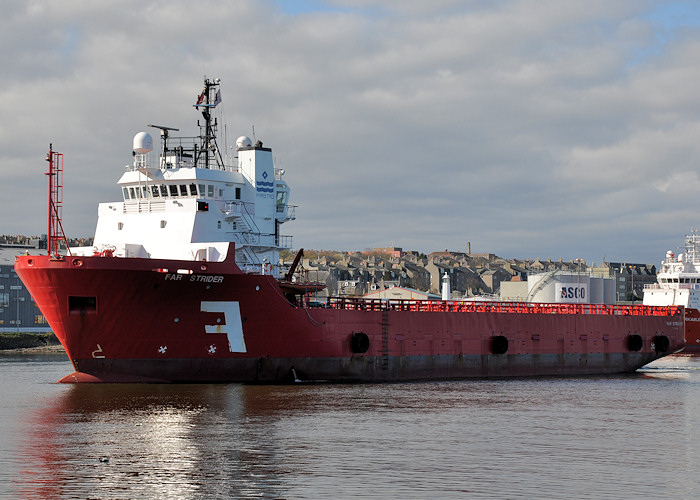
pixel 571 293
pixel 262 186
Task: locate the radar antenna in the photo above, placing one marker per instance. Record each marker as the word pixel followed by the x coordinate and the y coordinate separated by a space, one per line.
pixel 163 138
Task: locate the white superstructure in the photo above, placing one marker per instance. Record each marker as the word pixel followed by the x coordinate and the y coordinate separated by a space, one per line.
pixel 190 204
pixel 679 277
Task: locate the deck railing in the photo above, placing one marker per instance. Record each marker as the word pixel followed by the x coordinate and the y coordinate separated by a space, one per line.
pixel 361 304
pixel 671 286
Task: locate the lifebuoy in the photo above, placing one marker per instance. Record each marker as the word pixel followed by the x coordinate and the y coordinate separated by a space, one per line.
pixel 661 343
pixel 635 343
pixel 359 342
pixel 499 344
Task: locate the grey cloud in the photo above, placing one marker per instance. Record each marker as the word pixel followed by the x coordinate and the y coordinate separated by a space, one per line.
pixel 531 129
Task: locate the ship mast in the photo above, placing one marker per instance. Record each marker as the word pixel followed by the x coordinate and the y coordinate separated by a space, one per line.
pixel 55 174
pixel 208 100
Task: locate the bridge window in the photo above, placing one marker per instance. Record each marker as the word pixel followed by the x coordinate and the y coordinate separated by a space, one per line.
pixel 281 200
pixel 173 190
pixel 183 190
pixel 133 194
pixel 210 191
pixel 202 191
pixel 163 191
pixel 126 194
pixel 238 193
pixel 193 190
pixel 154 190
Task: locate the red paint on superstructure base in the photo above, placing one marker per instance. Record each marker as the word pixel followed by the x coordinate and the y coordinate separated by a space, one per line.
pixel 148 326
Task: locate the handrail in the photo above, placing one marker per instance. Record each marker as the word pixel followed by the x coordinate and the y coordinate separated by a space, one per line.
pixel 671 286
pixel 361 304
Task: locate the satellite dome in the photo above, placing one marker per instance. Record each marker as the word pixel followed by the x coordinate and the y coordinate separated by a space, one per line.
pixel 243 142
pixel 143 143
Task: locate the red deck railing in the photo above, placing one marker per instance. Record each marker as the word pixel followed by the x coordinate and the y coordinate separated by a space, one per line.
pixel 360 304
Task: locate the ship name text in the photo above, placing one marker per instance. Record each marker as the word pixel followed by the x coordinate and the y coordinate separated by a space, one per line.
pixel 195 277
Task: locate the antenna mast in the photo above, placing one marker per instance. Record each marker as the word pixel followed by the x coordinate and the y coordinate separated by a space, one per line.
pixel 55 173
pixel 207 133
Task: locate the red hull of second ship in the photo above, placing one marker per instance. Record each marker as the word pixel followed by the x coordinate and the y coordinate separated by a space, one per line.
pixel 122 319
pixel 692 331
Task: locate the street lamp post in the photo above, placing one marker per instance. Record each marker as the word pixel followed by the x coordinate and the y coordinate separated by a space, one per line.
pixel 631 270
pixel 17 318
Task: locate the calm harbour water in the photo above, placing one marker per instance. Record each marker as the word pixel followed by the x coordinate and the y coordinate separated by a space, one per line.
pixel 632 436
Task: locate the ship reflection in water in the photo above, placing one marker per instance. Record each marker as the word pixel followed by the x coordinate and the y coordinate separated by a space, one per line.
pixel 534 438
pixel 164 441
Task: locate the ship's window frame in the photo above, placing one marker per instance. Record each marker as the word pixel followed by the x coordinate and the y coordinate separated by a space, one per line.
pixel 193 189
pixel 173 191
pixel 183 190
pixel 238 193
pixel 202 191
pixel 281 200
pixel 126 193
pixel 155 191
pixel 210 191
pixel 163 191
pixel 146 192
pixel 132 193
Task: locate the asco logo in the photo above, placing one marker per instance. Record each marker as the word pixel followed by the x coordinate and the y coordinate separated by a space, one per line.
pixel 573 292
pixel 565 292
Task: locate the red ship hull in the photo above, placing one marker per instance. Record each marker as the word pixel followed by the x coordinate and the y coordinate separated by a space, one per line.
pixel 692 331
pixel 147 320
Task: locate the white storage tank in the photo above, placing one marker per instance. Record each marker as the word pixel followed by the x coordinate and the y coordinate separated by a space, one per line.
pixel 568 288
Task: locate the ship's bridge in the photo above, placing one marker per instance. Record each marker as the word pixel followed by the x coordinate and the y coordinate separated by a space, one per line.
pixel 191 202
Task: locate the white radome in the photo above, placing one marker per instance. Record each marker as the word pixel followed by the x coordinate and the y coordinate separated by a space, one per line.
pixel 243 142
pixel 143 143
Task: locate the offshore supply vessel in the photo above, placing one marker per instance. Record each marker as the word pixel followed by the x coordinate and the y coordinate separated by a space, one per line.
pixel 183 285
pixel 678 283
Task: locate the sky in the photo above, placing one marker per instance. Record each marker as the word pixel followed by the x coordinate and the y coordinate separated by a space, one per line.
pixel 524 128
